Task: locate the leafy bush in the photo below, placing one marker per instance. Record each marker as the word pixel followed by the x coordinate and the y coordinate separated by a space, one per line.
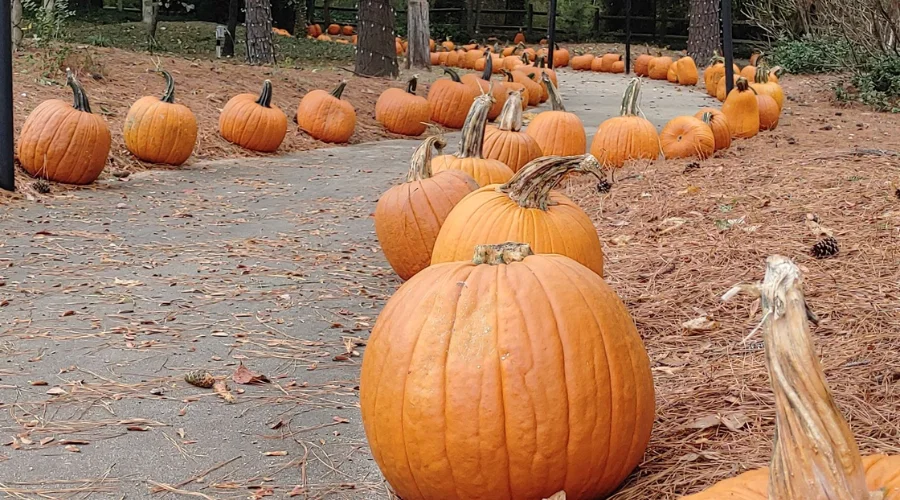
pixel 812 55
pixel 878 84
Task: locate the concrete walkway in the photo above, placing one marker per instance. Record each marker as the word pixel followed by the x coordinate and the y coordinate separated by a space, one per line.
pixel 109 296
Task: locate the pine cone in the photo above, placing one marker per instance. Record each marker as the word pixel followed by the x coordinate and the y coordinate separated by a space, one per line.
pixel 200 378
pixel 603 187
pixel 826 247
pixel 41 186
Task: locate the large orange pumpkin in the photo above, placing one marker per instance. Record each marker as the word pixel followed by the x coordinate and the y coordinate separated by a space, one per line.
pixel 325 116
pixel 718 124
pixel 815 455
pixel 403 112
pixel 658 68
pixel 505 142
pixel 582 62
pixel 628 136
pixel 642 65
pixel 618 67
pixel 409 216
pixel 742 110
pixel 158 130
pixel 62 142
pixel 469 158
pixel 557 132
pixel 252 122
pixel 749 72
pixel 507 376
pixel 715 72
pixel 483 84
pixel 526 209
pixel 607 61
pixel 687 71
pixel 768 112
pixel 687 137
pixel 450 100
pixel 765 85
pixel 560 57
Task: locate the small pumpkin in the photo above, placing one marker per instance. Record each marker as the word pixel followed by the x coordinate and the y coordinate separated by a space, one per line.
pixel 447 44
pixel 715 72
pixel 62 142
pixel 334 29
pixel 453 58
pixel 469 157
pixel 506 142
pixel 313 30
pixel 597 64
pixel 502 369
pixel 431 44
pixel 687 137
pixel 742 110
pixel 749 72
pixel 764 85
pixel 629 136
pixel 557 132
pixel 541 67
pixel 323 38
pixel 450 100
pixel 403 112
pixel 755 56
pixel 721 89
pixel 582 62
pixel 658 68
pixel 252 122
pixel 687 71
pixel 508 50
pixel 435 58
pixel 768 112
pixel 642 65
pixel 618 67
pixel 815 455
pixel 325 116
pixel 408 217
pixel 560 57
pixel 158 130
pixel 527 209
pixel 520 38
pixel 347 30
pixel 472 45
pixel 607 61
pixel 484 85
pixel 511 85
pixel 719 126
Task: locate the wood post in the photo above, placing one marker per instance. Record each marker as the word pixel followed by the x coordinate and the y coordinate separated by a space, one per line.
pixel 529 21
pixel 627 36
pixel 326 14
pixel 7 163
pixel 417 54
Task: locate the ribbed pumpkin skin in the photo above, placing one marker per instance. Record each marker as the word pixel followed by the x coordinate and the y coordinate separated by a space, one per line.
pixel 658 68
pixel 749 72
pixel 255 127
pixel 768 112
pixel 583 62
pixel 882 471
pixel 618 67
pixel 672 73
pixel 326 117
pixel 558 133
pixel 485 171
pixel 497 91
pixel 687 71
pixel 63 144
pixel 534 89
pixel 512 381
pixel 450 102
pixel 642 65
pixel 408 218
pixel 488 216
pixel 607 61
pixel 513 149
pixel 687 137
pixel 621 138
pixel 719 126
pixel 160 132
pixel 742 111
pixel 771 89
pixel 402 113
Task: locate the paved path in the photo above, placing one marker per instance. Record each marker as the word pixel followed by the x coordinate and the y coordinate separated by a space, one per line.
pixel 108 297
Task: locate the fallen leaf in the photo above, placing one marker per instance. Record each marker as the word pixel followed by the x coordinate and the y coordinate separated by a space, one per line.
pixel 341 420
pixel 137 428
pixel 700 324
pixel 46 440
pixel 735 421
pixel 38 382
pixel 56 391
pixel 620 240
pixel 73 449
pixel 704 422
pixel 221 388
pixel 243 375
pixel 280 453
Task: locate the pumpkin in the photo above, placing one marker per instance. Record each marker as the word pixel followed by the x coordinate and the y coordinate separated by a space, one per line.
pixel 672 73
pixel 472 45
pixel 323 38
pixel 453 58
pixel 687 71
pixel 334 29
pixel 160 131
pixel 582 62
pixel 314 30
pixel 508 50
pixel 447 44
pixel 541 65
pixel 642 65
pixel 469 157
pixel 815 455
pixel 687 137
pixel 443 56
pixel 535 90
pixel 526 209
pixel 342 41
pixel 768 112
pixel 520 38
pixel 409 216
pixel 470 59
pixel 658 69
pixel 403 112
pixel 607 61
pixel 765 86
pixel 511 85
pixel 435 58
pixel 628 136
pixel 325 117
pixel 719 126
pixel 754 57
pixel 431 44
pixel 251 122
pixel 529 53
pixel 558 132
pixel 597 64
pixel 560 57
pixel 281 32
pixel 749 72
pixel 398 46
pixel 450 100
pixel 353 39
pixel 742 110
pixel 506 142
pixel 715 72
pixel 721 89
pixel 511 61
pixel 618 67
pixel 484 85
pixel 64 143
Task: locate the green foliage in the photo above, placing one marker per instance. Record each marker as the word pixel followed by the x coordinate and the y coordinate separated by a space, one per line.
pixel 98 40
pixel 812 55
pixel 876 85
pixel 46 25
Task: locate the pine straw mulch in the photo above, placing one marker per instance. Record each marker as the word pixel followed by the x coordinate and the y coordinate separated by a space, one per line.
pixel 114 79
pixel 679 234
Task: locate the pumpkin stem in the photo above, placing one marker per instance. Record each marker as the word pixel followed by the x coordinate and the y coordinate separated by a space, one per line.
pixel 169 94
pixel 530 187
pixel 741 84
pixel 707 118
pixel 488 65
pixel 524 58
pixel 510 118
pixel 509 76
pixel 716 59
pixel 555 100
pixel 815 455
pixel 453 74
pixel 632 97
pixel 504 253
pixel 340 89
pixel 472 140
pixel 265 97
pixel 762 73
pixel 81 102
pixel 411 85
pixel 420 163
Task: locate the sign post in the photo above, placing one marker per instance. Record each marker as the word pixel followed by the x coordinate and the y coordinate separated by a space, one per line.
pixel 7 165
pixel 551 33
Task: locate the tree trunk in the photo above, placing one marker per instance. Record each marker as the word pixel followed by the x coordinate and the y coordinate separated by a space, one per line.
pixel 150 17
pixel 234 7
pixel 260 47
pixel 417 27
pixel 16 21
pixel 376 53
pixel 703 30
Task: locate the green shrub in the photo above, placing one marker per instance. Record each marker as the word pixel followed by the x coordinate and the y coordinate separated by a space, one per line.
pixel 812 55
pixel 878 84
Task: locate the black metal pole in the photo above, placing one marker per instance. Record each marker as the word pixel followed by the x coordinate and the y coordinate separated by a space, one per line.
pixel 728 46
pixel 7 165
pixel 551 32
pixel 627 37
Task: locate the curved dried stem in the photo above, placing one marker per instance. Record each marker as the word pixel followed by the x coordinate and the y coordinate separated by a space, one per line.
pixel 420 163
pixel 530 187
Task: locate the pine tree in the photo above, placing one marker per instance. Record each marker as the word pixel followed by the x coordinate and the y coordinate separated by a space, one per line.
pixel 260 47
pixel 375 50
pixel 703 30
